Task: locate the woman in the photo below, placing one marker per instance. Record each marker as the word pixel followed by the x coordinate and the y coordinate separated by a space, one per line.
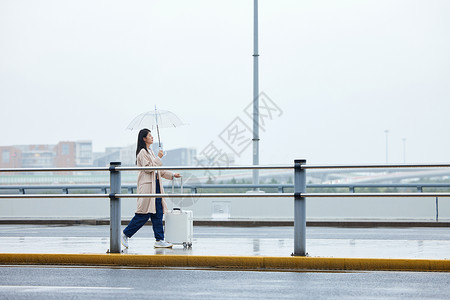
pixel 149 183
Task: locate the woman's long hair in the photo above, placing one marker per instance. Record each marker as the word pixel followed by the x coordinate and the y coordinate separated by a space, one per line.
pixel 140 142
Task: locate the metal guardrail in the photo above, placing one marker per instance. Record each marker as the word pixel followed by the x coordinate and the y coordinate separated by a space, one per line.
pixel 178 168
pixel 194 187
pixel 299 194
pixel 373 166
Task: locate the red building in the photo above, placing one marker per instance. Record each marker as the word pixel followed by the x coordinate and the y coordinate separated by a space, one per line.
pixel 65 154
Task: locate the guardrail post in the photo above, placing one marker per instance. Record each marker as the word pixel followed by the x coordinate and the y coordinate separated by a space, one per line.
pixel 299 208
pixel 115 210
pixel 437 209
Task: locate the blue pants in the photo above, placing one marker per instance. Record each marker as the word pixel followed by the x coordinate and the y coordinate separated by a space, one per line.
pixel 140 219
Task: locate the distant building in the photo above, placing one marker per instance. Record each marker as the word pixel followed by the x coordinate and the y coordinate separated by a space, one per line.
pixel 128 155
pixel 68 154
pixel 37 156
pixel 180 157
pixel 83 154
pixel 63 154
pixel 10 157
pixel 102 159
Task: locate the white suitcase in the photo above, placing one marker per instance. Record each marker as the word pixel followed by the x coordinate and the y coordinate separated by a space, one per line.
pixel 179 224
pixel 179 227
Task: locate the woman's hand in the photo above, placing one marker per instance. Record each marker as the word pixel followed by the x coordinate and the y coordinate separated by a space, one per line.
pixel 160 153
pixel 177 175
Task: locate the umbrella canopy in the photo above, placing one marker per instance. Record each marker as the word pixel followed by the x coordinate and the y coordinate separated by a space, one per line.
pixel 152 119
pixel 155 119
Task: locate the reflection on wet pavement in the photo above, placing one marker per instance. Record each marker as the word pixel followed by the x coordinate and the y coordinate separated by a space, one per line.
pixel 429 243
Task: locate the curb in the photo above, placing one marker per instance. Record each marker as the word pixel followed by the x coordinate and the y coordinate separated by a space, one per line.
pixel 260 263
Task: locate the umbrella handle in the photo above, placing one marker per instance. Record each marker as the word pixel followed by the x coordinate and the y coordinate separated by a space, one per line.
pixel 157 128
pixel 159 140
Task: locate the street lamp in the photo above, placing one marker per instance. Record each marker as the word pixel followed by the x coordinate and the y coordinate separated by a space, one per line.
pixel 255 94
pixel 386 132
pixel 404 150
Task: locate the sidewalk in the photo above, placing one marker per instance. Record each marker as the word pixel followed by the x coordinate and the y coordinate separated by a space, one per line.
pixel 404 243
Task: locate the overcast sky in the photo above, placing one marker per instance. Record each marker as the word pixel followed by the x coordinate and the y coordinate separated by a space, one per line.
pixel 340 73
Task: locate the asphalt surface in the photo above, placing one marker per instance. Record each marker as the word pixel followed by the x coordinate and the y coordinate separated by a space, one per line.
pixel 423 242
pixel 22 282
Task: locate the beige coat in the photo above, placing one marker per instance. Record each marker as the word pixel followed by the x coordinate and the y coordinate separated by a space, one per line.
pixel 146 182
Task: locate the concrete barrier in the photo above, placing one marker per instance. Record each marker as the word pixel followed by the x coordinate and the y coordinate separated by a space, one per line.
pixel 242 223
pixel 260 263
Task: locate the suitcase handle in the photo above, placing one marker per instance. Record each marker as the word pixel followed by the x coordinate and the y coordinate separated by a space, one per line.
pixel 181 185
pixel 176 210
pixel 181 191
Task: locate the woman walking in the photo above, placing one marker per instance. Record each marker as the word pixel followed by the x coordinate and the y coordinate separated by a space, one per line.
pixel 149 183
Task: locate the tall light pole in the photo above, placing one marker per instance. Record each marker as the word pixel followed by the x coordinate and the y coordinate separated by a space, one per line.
pixel 255 94
pixel 404 150
pixel 386 132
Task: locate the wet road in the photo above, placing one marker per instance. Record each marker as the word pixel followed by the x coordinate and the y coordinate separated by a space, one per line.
pixel 22 282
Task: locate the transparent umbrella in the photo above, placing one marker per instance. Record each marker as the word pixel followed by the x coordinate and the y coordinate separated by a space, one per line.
pixel 155 119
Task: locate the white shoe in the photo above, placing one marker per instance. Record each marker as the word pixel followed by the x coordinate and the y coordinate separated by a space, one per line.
pixel 163 244
pixel 124 240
